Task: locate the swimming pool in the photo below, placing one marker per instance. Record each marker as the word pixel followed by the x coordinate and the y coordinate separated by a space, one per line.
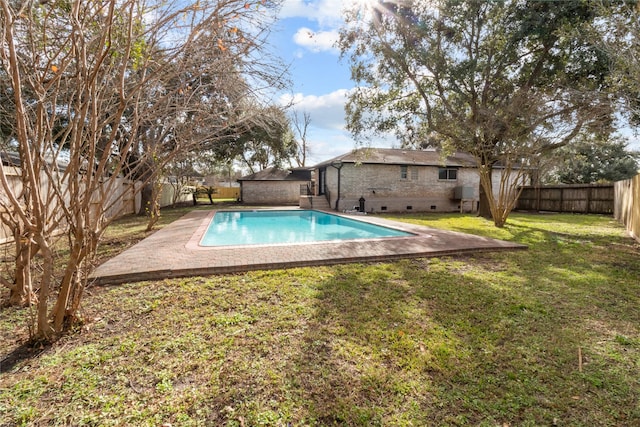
pixel 230 228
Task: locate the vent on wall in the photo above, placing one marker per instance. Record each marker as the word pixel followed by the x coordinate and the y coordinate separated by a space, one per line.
pixel 383 208
pixel 433 207
pixel 409 208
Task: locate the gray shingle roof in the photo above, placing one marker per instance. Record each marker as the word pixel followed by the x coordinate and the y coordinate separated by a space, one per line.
pixel 275 174
pixel 393 156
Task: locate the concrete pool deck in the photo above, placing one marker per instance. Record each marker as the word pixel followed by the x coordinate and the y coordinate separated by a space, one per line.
pixel 173 251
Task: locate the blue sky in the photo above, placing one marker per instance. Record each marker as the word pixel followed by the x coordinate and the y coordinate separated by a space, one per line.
pixel 305 37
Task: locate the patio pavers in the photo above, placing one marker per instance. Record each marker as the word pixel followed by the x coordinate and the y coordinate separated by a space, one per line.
pixel 174 251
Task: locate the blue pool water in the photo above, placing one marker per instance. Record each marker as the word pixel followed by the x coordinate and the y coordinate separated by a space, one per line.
pixel 271 226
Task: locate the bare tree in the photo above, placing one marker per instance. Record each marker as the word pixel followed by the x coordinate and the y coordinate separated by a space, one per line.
pixel 107 90
pixel 301 126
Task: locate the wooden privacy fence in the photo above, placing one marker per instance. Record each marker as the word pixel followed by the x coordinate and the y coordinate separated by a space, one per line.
pixel 227 193
pixel 574 198
pixel 627 205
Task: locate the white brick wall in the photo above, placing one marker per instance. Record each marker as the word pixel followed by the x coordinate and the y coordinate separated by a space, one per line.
pixel 383 187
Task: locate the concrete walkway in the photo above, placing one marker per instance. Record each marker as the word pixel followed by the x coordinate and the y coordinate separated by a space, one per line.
pixel 174 251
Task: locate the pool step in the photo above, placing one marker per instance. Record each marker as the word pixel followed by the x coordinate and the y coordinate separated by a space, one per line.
pixel 315 202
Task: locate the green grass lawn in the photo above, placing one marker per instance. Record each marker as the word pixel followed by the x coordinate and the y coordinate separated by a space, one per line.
pixel 547 336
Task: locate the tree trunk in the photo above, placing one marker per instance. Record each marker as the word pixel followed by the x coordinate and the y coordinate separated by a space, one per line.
pixel 488 208
pixel 500 220
pixel 74 279
pixel 60 310
pixel 154 216
pixel 146 199
pixel 43 329
pixel 153 211
pixel 484 207
pixel 21 292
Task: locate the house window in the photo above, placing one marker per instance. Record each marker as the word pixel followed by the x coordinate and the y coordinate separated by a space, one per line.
pixel 448 174
pixel 404 173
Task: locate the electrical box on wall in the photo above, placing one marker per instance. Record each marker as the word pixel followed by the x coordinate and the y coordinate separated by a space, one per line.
pixel 461 192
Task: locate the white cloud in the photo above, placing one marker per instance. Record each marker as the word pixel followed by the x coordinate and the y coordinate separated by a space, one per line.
pixel 328 16
pixel 316 41
pixel 326 111
pixel 325 12
pixel 327 145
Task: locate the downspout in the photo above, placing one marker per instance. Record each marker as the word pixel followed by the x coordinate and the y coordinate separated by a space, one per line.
pixel 338 165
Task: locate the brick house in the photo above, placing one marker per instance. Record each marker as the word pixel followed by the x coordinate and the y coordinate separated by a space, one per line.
pixel 396 180
pixel 274 186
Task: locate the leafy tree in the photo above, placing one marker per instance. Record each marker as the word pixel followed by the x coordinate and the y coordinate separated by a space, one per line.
pixel 589 160
pixel 618 34
pixel 504 81
pixel 220 171
pixel 260 144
